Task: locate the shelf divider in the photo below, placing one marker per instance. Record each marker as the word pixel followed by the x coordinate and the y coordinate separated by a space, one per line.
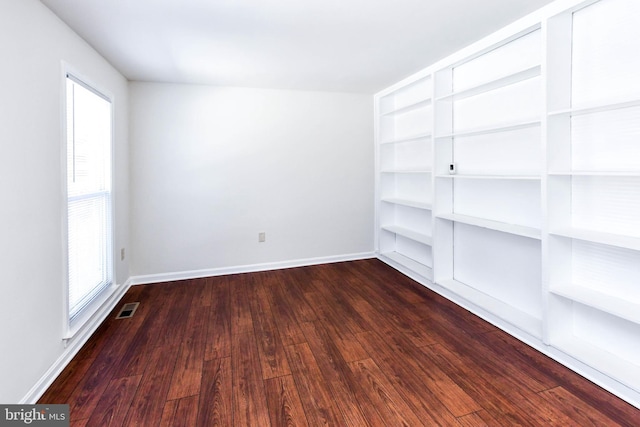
pixel 629 310
pixel 498 177
pixel 409 138
pixel 595 108
pixel 493 84
pixel 406 108
pixel 407 202
pixel 409 234
pixel 492 129
pixel 622 174
pixel 518 230
pixel 610 239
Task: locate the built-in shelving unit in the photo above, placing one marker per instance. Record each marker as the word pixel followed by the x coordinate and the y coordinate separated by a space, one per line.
pixel 488 210
pixel 508 180
pixel 593 189
pixel 404 158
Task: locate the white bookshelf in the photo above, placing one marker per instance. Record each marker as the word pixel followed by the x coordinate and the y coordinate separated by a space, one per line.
pixel 404 193
pixel 488 211
pixel 593 189
pixel 538 227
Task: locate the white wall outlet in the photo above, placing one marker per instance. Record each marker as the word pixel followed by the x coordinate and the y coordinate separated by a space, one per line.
pixel 262 236
pixel 122 254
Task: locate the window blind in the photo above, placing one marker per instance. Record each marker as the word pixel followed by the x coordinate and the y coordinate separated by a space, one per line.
pixel 88 194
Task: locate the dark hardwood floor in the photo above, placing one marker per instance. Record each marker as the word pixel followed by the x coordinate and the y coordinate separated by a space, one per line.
pixel 346 344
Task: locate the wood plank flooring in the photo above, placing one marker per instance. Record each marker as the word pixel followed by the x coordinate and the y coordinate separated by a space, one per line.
pixel 345 344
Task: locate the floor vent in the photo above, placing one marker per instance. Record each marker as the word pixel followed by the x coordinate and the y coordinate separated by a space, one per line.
pixel 127 310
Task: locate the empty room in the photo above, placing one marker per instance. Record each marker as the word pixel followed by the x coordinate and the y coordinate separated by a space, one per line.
pixel 363 213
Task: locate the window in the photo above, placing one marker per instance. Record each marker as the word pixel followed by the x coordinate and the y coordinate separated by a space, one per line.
pixel 89 237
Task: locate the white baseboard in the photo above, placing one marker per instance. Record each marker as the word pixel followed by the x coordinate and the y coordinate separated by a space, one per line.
pixel 210 272
pixel 74 345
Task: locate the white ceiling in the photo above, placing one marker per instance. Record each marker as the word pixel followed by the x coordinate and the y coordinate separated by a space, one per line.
pixel 327 45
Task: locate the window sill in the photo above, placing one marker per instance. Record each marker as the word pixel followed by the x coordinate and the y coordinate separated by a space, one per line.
pixel 94 313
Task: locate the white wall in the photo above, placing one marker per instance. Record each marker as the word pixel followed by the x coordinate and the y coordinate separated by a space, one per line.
pixel 211 167
pixel 33 43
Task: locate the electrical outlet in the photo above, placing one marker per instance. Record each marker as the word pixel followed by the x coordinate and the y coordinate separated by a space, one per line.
pixel 262 237
pixel 122 254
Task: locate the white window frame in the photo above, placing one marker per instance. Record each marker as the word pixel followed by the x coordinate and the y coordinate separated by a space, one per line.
pixel 72 326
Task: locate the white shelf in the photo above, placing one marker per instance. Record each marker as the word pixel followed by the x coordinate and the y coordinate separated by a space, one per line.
pixel 597 173
pixel 610 239
pixel 604 361
pixel 410 138
pixel 500 177
pixel 409 263
pixel 406 202
pixel 507 312
pixel 595 108
pixel 492 129
pixel 409 234
pixel 628 310
pixel 405 171
pixel 518 230
pixel 494 84
pixel 406 108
